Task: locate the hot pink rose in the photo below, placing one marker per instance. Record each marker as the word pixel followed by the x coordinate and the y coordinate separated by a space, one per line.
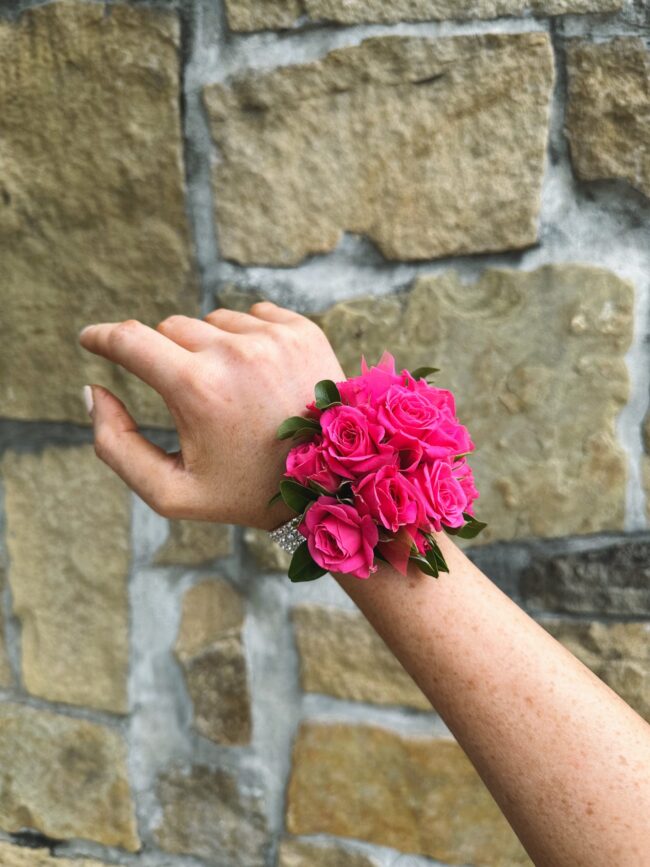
pixel 352 442
pixel 463 473
pixel 305 461
pixel 373 383
pixel 442 492
pixel 338 538
pixel 390 498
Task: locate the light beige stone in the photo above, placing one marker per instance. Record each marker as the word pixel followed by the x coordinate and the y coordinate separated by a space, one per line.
pixel 210 649
pixel 207 814
pixel 24 856
pixel 64 777
pixel 247 15
pixel 418 795
pixel 342 655
pixel 619 653
pixel 429 147
pixel 68 544
pixel 608 112
pixel 93 225
pixel 300 853
pixel 6 678
pixel 536 362
pixel 192 543
pixel 269 556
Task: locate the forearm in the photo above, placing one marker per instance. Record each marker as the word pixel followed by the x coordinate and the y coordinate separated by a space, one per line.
pixel 565 758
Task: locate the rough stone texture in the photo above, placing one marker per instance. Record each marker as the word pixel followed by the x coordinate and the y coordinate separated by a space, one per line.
pixel 608 113
pixel 610 580
pixel 210 649
pixel 646 463
pixel 64 777
pixel 207 814
pixel 93 226
pixel 22 856
pixel 417 795
pixel 299 853
pixel 68 543
pixel 619 653
pixel 191 543
pixel 536 360
pixel 342 655
pixel 247 15
pixel 430 147
pixel 6 678
pixel 269 556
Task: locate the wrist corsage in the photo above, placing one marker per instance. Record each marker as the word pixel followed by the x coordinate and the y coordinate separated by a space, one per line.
pixel 379 464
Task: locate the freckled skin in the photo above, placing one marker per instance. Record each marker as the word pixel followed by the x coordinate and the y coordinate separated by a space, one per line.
pixel 565 758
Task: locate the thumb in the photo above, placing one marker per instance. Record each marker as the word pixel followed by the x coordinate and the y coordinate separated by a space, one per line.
pixel 157 477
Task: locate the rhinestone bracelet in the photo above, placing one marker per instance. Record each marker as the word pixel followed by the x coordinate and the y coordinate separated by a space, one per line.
pixel 287 535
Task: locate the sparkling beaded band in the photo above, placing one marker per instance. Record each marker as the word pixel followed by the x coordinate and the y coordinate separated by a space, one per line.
pixel 287 535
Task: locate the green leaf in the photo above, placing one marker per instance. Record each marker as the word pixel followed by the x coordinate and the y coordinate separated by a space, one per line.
pixel 295 424
pixel 302 566
pixel 319 488
pixel 275 498
pixel 423 564
pixel 423 372
pixel 295 495
pixel 472 528
pixel 435 558
pixel 326 394
pixel 461 455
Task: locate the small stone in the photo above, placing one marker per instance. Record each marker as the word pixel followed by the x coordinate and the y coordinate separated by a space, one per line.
pixel 342 655
pixel 399 138
pixel 299 853
pixel 247 15
pixel 269 556
pixel 417 795
pixel 68 540
pixel 614 579
pixel 25 856
pixel 540 403
pixel 208 815
pixel 211 651
pixel 64 778
pixel 619 653
pixel 193 543
pixel 608 112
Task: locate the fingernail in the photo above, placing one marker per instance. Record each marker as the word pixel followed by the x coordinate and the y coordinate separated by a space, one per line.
pixel 88 399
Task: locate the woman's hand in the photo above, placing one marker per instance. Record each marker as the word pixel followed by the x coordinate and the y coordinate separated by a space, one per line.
pixel 229 381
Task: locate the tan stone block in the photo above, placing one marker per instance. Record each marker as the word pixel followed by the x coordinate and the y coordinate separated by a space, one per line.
pixel 608 112
pixel 210 649
pixel 68 542
pixel 192 543
pixel 342 655
pixel 619 653
pixel 6 678
pixel 64 777
pixel 247 15
pixel 429 147
pixel 418 795
pixel 24 856
pixel 93 226
pixel 536 362
pixel 207 814
pixel 300 853
pixel 268 555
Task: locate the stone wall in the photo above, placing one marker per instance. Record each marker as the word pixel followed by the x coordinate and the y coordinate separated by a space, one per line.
pixel 464 183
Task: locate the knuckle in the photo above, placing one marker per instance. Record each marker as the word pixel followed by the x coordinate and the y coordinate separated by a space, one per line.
pixel 169 322
pixel 123 331
pixel 261 305
pixel 101 446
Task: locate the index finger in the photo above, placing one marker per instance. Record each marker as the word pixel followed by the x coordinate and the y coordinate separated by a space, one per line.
pixel 140 349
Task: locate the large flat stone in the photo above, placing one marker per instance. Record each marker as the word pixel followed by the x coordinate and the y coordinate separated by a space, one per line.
pixel 418 795
pixel 210 649
pixel 24 856
pixel 247 15
pixel 93 225
pixel 619 653
pixel 608 112
pixel 536 361
pixel 302 853
pixel 192 543
pixel 429 147
pixel 207 814
pixel 342 655
pixel 64 777
pixel 68 542
pixel 610 580
pixel 268 555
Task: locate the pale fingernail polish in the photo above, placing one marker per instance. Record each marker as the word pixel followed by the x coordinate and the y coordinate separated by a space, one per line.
pixel 88 399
